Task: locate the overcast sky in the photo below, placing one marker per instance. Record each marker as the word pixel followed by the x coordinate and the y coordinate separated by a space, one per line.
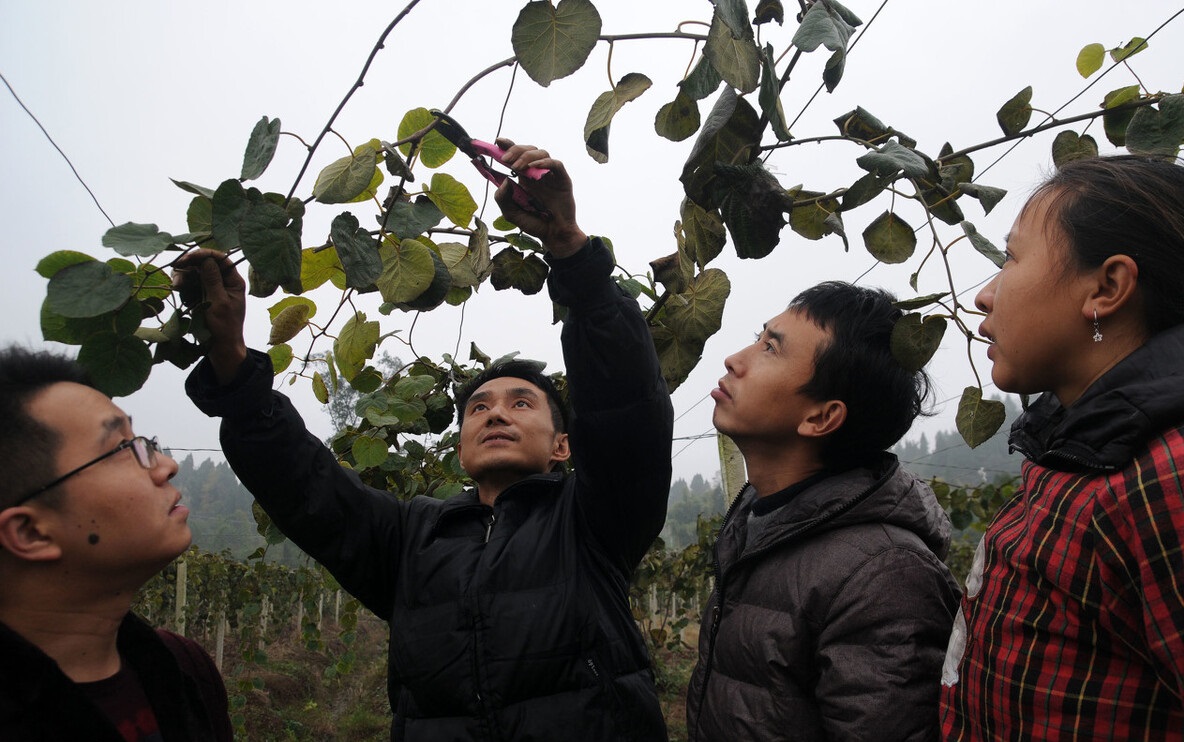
pixel 137 92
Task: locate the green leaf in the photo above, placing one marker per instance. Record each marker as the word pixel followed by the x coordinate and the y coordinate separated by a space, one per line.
pixel 411 219
pixel 860 124
pixel 281 357
pixel 703 80
pixel 368 451
pixel 1115 123
pixel 678 119
pixel 512 269
pixel 552 42
pixel 355 345
pixel 271 242
pixel 770 98
pixel 437 290
pixel 600 116
pixel 1069 146
pixel 890 239
pixel 1158 132
pixel 466 267
pixel 272 535
pixel 893 158
pixel 734 54
pixel 753 205
pixel 689 319
pixel 734 15
pixel 1015 113
pixel 864 190
pixel 407 270
pixel 978 419
pixel 832 73
pixel 915 339
pixel 434 149
pixel 730 136
pixel 1090 58
pixel 452 198
pixel 55 261
pixel 150 282
pixel 704 232
pixel 346 179
pixel 822 27
pixel 983 245
pixel 118 364
pixel 142 240
pixel 1130 49
pixel 260 148
pixel 907 305
pixel 1121 96
pixel 230 203
pixel 194 188
pixel 288 323
pixel 75 330
pixel 357 251
pixel 319 390
pixel 87 290
pixel 367 380
pixel 674 272
pixel 769 10
pixel 988 196
pixel 318 266
pixel 200 219
pixel 810 220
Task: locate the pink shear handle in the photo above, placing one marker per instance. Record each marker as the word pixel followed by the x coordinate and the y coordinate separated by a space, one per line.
pixel 497 153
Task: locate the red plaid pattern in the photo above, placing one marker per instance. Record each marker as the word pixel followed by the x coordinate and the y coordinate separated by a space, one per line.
pixel 1078 630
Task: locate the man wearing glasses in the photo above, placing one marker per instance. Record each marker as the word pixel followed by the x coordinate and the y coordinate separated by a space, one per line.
pixel 87 516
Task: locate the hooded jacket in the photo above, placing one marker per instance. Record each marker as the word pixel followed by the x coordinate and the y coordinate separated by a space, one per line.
pixel 1072 627
pixel 830 623
pixel 509 622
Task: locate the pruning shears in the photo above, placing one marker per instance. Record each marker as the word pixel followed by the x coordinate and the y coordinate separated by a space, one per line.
pixel 478 150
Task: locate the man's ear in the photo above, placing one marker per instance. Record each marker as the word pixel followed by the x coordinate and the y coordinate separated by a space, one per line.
pixel 825 418
pixel 561 451
pixel 23 533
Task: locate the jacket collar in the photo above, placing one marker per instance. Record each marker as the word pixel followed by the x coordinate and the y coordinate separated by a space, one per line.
pixel 1140 397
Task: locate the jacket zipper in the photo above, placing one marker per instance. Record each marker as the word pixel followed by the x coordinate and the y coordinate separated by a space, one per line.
pixel 489 526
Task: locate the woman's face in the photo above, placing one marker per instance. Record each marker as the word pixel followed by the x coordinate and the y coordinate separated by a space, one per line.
pixel 1038 318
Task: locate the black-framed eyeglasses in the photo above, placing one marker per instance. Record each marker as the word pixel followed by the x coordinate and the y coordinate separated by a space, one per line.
pixel 144 449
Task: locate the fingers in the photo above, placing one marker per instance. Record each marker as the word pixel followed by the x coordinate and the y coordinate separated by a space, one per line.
pixel 521 156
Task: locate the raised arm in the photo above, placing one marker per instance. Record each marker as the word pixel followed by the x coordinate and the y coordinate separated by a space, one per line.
pixel 351 529
pixel 622 420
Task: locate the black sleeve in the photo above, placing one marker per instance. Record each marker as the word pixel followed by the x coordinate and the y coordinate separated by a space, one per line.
pixel 622 421
pixel 353 530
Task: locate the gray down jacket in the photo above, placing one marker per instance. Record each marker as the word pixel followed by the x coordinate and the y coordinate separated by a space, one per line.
pixel 831 622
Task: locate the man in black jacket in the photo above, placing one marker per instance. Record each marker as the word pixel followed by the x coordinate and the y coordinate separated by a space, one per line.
pixel 87 516
pixel 832 607
pixel 507 604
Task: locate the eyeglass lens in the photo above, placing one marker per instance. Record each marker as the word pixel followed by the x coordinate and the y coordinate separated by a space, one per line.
pixel 145 450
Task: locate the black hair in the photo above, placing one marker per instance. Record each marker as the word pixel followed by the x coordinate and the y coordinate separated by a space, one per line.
pixel 857 367
pixel 1126 205
pixel 28 448
pixel 526 370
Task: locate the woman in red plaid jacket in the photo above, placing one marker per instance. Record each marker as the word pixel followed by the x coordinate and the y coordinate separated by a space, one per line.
pixel 1072 625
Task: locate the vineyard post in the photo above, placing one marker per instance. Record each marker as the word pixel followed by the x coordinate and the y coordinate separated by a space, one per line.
pixel 220 640
pixel 181 592
pixel 320 609
pixel 264 613
pixel 337 606
pixel 300 614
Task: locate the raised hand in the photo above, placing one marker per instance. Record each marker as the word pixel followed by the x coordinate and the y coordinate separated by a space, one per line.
pixel 556 228
pixel 208 279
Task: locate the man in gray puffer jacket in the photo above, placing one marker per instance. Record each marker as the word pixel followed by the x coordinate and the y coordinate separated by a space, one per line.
pixel 832 607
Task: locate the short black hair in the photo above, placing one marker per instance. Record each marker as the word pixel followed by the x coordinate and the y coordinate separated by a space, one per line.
pixel 527 370
pixel 857 367
pixel 28 448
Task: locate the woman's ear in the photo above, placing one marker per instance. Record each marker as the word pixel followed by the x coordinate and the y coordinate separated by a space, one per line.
pixel 1116 283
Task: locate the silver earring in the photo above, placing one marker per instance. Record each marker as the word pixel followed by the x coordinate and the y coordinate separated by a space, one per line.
pixel 1097 328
